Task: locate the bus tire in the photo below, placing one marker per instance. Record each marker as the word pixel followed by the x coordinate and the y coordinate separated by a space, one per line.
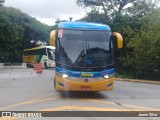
pixel 54 83
pixel 28 65
pixel 45 65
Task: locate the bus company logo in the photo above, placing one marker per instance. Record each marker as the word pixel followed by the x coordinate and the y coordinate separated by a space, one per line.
pixel 86 80
pixel 83 74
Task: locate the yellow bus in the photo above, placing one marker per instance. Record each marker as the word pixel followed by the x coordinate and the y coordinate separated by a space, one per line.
pixel 84 56
pixel 43 54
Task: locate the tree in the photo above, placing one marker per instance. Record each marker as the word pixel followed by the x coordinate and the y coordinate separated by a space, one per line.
pixel 96 16
pixel 112 7
pixel 141 56
pixel 1 2
pixel 16 31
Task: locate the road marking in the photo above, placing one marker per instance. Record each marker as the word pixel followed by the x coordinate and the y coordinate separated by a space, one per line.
pixel 62 108
pixel 29 102
pixel 38 100
pixel 126 105
pixel 7 118
pixel 18 104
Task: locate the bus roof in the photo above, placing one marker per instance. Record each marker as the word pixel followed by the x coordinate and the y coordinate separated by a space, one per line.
pixel 83 26
pixel 40 47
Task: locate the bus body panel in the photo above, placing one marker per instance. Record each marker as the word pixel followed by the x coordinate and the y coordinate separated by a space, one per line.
pixel 84 81
pixel 70 85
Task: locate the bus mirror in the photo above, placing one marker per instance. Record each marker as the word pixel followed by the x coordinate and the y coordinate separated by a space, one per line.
pixel 52 38
pixel 119 39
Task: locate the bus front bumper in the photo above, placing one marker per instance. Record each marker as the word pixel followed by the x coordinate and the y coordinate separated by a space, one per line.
pixel 62 84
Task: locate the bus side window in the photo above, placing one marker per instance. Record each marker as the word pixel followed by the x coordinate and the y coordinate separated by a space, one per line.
pixel 50 55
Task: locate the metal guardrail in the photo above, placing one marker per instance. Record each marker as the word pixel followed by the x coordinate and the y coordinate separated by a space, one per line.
pixel 15 70
pixel 13 65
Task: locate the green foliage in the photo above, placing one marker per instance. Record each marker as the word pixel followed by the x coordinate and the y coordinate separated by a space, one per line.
pixel 146 45
pixel 16 31
pixel 95 16
pixel 141 55
pixel 123 76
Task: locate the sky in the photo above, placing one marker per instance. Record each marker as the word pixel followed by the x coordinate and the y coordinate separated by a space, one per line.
pixel 47 11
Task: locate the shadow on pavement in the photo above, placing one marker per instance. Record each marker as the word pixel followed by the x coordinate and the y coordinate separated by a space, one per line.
pixel 95 95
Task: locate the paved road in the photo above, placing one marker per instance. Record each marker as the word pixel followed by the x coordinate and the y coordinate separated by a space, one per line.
pixel 25 90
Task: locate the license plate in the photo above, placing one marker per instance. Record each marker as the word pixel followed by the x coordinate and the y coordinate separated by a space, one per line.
pixel 85 88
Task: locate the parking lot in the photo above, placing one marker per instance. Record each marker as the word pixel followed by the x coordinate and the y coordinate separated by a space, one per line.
pixel 22 89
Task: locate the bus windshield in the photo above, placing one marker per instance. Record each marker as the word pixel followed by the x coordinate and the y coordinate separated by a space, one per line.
pixel 84 48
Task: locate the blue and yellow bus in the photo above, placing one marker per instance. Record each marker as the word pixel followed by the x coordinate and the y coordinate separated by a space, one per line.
pixel 84 56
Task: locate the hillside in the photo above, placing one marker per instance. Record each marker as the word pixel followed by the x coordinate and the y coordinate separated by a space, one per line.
pixel 17 29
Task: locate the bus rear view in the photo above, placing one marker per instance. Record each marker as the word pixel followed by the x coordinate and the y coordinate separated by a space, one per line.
pixel 84 57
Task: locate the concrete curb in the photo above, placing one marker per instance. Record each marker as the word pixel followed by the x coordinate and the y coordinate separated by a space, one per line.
pixel 139 81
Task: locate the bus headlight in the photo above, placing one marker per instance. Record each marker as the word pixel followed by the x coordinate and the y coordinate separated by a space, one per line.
pixel 108 76
pixel 64 76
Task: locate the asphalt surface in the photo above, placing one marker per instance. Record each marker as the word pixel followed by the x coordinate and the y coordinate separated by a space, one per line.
pixel 25 90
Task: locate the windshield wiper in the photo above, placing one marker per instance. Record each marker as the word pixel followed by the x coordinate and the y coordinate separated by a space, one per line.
pixel 79 57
